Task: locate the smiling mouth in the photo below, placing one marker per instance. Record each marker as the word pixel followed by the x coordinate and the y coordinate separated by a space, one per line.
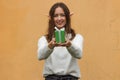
pixel 60 22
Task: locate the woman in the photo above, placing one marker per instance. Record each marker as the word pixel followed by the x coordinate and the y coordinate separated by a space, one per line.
pixel 60 58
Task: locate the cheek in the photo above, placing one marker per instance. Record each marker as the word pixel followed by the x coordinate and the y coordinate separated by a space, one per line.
pixel 54 20
pixel 65 21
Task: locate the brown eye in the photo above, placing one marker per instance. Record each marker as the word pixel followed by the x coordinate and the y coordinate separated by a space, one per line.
pixel 56 15
pixel 62 15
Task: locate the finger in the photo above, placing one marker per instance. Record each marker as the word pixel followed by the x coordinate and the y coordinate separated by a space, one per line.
pixel 57 44
pixel 53 39
pixel 63 44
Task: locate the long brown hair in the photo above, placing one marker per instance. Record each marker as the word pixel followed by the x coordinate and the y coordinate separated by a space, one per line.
pixel 51 24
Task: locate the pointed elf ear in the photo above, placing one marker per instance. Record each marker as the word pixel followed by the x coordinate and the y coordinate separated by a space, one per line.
pixel 48 16
pixel 71 13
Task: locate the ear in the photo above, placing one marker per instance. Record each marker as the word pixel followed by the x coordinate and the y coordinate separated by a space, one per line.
pixel 48 16
pixel 71 13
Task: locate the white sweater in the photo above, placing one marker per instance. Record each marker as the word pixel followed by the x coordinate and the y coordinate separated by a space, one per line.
pixel 61 60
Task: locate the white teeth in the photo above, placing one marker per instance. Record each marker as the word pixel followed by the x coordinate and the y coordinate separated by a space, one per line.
pixel 59 22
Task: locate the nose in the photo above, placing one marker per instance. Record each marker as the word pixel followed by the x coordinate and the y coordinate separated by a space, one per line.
pixel 59 17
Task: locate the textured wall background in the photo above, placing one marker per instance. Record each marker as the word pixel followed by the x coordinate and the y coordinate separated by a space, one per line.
pixel 22 22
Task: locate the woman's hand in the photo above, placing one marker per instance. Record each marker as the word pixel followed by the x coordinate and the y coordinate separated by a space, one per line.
pixel 52 43
pixel 66 44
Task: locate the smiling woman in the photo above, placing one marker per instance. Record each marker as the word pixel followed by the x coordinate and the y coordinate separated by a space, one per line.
pixel 59 17
pixel 60 57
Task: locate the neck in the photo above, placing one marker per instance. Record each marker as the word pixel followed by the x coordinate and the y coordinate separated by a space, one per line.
pixel 60 27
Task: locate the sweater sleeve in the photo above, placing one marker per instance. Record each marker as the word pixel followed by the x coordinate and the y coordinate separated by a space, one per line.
pixel 76 47
pixel 43 50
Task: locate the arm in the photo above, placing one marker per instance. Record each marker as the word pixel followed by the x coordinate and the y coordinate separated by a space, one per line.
pixel 43 50
pixel 76 47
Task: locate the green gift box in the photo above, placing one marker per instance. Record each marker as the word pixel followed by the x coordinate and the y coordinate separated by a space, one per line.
pixel 60 35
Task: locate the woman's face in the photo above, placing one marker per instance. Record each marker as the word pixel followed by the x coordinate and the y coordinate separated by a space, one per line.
pixel 59 18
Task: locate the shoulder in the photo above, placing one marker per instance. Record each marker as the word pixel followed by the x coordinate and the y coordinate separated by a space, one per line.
pixel 78 39
pixel 78 36
pixel 42 39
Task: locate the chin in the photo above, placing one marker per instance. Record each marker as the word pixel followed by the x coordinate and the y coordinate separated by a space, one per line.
pixel 60 26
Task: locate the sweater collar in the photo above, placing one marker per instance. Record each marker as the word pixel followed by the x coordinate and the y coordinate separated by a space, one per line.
pixel 62 29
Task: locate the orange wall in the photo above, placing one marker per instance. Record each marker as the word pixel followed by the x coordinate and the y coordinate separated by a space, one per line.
pixel 22 22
